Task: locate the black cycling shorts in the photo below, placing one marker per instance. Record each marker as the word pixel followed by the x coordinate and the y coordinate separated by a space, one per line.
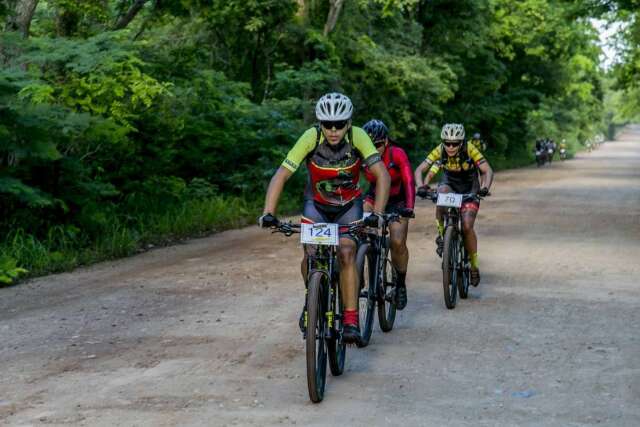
pixel 343 215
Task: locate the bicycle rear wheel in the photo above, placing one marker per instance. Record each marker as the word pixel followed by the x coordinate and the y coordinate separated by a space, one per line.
pixel 336 347
pixel 386 293
pixel 450 276
pixel 316 332
pixel 366 299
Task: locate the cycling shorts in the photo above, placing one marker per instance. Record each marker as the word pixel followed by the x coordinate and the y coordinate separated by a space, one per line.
pixel 345 216
pixel 462 189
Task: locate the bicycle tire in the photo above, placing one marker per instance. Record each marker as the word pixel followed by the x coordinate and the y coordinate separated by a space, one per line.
pixel 367 295
pixel 463 289
pixel 386 294
pixel 316 351
pixel 336 348
pixel 449 267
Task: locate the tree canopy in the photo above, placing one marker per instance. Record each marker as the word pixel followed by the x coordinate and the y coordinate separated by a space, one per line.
pixel 115 108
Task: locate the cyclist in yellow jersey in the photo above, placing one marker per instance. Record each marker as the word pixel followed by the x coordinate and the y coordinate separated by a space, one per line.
pixel 459 161
pixel 477 142
pixel 334 153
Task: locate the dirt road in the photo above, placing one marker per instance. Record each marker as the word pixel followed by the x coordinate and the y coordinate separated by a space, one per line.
pixel 205 333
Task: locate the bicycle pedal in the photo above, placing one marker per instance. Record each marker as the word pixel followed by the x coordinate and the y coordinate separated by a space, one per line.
pixel 390 296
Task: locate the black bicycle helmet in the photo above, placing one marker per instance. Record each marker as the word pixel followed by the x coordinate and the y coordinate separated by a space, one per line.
pixel 376 130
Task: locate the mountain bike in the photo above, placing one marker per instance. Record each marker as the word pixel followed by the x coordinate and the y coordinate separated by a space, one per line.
pixel 323 306
pixel 377 278
pixel 563 154
pixel 456 268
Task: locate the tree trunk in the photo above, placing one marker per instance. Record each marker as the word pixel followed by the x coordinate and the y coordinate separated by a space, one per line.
pixel 125 19
pixel 335 6
pixel 20 19
pixel 303 10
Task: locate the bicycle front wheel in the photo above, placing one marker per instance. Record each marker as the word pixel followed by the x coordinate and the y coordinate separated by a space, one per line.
pixel 367 295
pixel 316 331
pixel 450 276
pixel 386 290
pixel 463 287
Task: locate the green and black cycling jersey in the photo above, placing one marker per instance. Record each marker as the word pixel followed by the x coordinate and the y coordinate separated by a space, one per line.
pixel 334 170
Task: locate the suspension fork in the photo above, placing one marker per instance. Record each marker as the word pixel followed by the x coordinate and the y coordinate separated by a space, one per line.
pixel 332 289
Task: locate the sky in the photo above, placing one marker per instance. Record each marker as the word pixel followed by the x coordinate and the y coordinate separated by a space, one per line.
pixel 607 41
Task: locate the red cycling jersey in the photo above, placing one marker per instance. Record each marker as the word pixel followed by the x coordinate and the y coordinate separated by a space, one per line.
pixel 402 183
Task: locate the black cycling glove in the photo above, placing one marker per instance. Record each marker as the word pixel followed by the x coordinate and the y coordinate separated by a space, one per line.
pixel 373 220
pixel 423 191
pixel 484 192
pixel 268 221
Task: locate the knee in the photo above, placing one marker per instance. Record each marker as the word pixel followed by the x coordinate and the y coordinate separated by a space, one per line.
pixel 467 226
pixel 347 254
pixel 398 245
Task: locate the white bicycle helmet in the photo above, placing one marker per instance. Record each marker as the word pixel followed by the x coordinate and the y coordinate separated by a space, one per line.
pixel 334 107
pixel 452 132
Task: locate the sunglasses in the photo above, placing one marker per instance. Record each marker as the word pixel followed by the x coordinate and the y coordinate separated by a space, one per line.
pixel 379 143
pixel 338 125
pixel 452 144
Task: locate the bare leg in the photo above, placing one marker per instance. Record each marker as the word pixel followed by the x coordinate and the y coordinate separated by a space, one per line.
pixel 470 239
pixel 440 211
pixel 400 258
pixel 399 251
pixel 348 274
pixel 471 244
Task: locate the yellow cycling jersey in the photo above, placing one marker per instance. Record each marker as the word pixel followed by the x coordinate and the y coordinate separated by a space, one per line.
pixel 456 164
pixel 476 143
pixel 307 143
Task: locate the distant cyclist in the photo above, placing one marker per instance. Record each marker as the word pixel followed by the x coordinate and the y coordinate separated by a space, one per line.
pixel 459 161
pixel 477 142
pixel 334 153
pixel 401 200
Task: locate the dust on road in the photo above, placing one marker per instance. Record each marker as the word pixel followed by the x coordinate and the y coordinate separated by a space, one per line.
pixel 205 333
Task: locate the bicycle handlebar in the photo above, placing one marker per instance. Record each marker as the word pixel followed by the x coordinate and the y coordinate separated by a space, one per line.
pixel 286 228
pixel 433 196
pixel 289 228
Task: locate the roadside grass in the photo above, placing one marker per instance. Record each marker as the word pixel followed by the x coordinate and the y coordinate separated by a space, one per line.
pixel 22 255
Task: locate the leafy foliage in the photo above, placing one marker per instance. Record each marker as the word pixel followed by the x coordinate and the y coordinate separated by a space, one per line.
pixel 174 124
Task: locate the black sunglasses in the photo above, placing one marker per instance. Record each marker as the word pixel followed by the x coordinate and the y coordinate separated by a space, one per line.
pixel 379 143
pixel 452 144
pixel 338 125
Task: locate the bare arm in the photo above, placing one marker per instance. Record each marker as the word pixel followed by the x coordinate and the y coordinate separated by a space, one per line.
pixel 429 177
pixel 274 190
pixel 420 171
pixel 425 165
pixel 383 182
pixel 486 175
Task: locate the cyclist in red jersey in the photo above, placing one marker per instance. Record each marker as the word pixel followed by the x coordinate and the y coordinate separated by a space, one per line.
pixel 401 200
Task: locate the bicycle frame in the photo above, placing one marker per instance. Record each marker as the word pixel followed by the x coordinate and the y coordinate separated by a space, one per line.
pixel 324 260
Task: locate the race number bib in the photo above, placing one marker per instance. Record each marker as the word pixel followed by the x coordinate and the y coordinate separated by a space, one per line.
pixel 451 200
pixel 320 234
